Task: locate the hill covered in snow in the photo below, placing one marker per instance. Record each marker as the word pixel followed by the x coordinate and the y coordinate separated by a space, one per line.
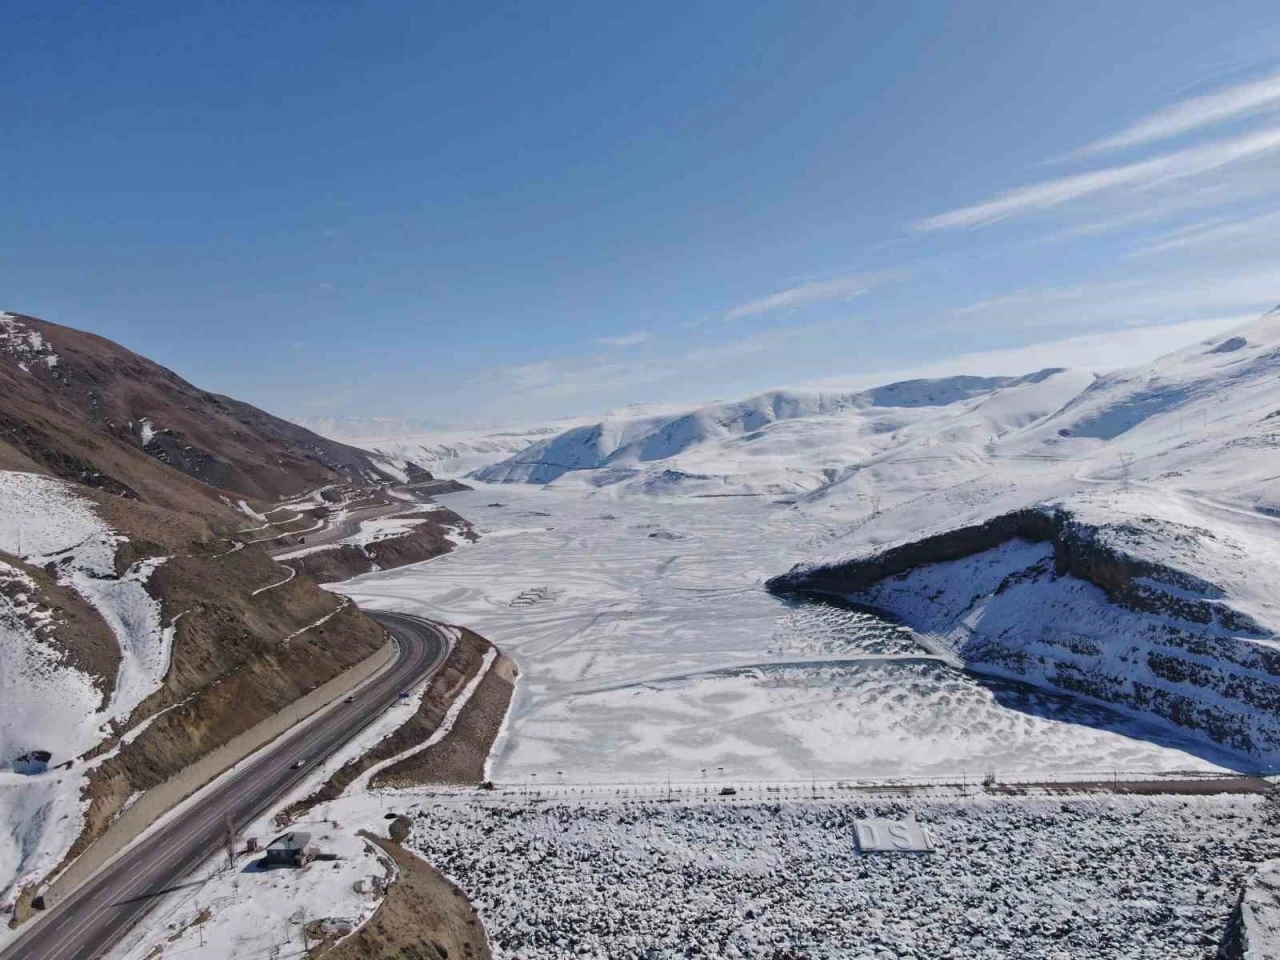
pixel 1202 420
pixel 1112 537
pixel 787 441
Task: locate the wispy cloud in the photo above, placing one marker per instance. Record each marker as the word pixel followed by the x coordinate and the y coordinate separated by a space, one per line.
pixel 1219 235
pixel 1232 103
pixel 814 291
pixel 632 339
pixel 1155 298
pixel 1171 167
pixel 1098 352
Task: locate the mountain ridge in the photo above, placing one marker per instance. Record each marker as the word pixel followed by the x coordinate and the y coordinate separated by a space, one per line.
pixel 142 625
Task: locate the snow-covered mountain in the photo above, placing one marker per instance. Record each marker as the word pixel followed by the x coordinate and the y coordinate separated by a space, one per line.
pixel 1122 548
pixel 1111 536
pixel 787 441
pixel 1197 418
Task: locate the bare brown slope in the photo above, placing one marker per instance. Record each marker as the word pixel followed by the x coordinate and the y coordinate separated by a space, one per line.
pixel 71 406
pixel 424 917
pixel 81 418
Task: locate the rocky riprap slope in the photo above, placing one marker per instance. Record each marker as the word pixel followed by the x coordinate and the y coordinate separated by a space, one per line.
pixel 1141 877
pixel 1114 608
pixel 1253 932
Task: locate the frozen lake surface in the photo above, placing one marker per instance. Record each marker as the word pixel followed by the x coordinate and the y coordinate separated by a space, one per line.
pixel 649 648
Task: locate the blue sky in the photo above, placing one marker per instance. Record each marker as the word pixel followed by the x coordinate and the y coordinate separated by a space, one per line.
pixel 484 212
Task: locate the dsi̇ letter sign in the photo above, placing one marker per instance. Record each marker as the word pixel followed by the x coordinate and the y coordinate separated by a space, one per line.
pixel 891 836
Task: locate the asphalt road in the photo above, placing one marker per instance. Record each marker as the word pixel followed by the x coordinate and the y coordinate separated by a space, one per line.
pixel 337 531
pixel 89 922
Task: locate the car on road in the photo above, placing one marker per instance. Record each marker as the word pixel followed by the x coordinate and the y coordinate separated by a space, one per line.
pixel 404 694
pixel 728 791
pixel 349 700
pixel 299 764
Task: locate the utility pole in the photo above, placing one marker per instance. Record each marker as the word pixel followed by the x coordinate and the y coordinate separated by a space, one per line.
pixel 231 840
pixel 1126 461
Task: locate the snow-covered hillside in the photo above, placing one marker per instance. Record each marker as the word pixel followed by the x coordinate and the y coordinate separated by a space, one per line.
pixel 56 695
pixel 1154 584
pixel 787 442
pixel 1205 418
pixel 1168 476
pixel 43 521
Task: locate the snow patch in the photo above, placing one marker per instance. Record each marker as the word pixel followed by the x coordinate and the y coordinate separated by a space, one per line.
pixel 250 512
pixel 24 345
pixel 45 703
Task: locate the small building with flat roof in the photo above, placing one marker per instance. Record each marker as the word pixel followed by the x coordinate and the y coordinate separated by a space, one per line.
pixel 291 849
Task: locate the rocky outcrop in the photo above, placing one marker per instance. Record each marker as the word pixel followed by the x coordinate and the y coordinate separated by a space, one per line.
pixel 854 576
pixel 1041 596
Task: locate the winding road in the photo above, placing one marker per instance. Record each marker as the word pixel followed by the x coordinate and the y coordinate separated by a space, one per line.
pixel 97 914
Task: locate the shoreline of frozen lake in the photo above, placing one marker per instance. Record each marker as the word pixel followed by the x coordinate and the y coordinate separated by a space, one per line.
pixel 634 598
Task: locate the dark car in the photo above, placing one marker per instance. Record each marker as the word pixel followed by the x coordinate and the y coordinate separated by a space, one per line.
pixel 728 791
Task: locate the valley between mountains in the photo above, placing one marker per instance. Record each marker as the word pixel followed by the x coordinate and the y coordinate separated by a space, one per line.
pixel 948 599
